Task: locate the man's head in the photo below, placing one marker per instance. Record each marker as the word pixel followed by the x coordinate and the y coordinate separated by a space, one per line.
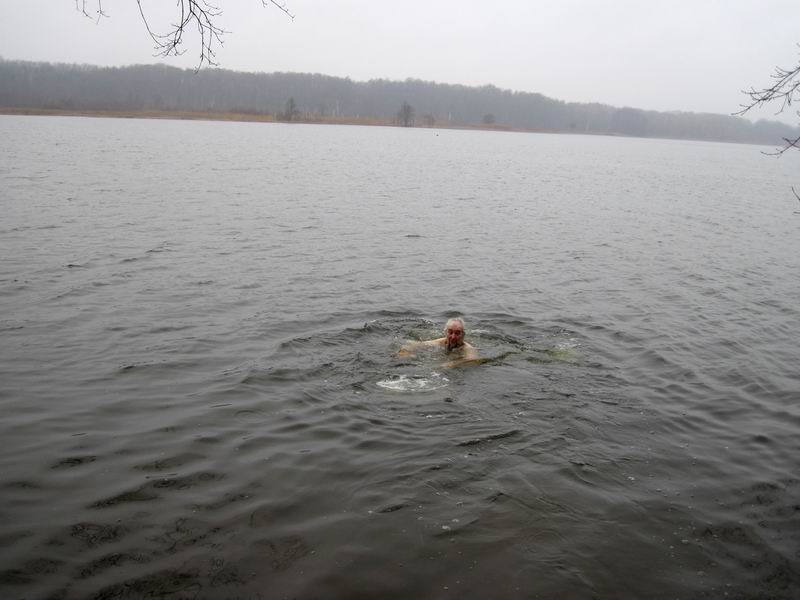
pixel 454 333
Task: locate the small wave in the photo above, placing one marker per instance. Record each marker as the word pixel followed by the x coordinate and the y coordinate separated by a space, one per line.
pixel 489 438
pixel 162 247
pixel 74 461
pixel 153 366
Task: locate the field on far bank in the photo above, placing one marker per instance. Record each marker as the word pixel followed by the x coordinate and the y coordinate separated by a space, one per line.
pixel 235 116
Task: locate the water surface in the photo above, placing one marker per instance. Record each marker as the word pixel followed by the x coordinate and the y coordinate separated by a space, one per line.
pixel 200 395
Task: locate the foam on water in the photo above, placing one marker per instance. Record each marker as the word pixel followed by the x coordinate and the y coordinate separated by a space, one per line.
pixel 414 383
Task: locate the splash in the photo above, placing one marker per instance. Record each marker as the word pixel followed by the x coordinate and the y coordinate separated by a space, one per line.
pixel 414 383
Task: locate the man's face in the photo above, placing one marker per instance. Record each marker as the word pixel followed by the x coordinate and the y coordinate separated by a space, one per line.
pixel 455 335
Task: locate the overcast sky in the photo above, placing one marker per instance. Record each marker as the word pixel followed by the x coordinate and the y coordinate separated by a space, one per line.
pixel 690 55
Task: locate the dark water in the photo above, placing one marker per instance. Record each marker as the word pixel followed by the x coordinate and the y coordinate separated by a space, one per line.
pixel 200 398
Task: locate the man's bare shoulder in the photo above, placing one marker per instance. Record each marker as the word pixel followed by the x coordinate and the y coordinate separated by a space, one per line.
pixel 470 352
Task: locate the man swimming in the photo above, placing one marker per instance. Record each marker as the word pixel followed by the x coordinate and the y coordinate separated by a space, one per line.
pixel 453 343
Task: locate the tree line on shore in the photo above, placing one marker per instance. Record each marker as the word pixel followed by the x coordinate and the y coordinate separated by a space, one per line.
pixel 161 88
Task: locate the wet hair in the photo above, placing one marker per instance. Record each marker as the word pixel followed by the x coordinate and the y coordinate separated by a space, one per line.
pixel 455 320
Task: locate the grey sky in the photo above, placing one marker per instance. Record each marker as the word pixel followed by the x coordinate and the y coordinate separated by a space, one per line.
pixel 692 55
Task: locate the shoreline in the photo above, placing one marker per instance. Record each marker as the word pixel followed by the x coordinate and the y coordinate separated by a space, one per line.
pixel 358 121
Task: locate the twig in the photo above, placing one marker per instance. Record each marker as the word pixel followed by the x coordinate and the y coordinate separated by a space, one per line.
pixel 81 8
pixel 282 7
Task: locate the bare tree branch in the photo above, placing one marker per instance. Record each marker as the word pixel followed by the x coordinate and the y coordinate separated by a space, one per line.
pixel 193 13
pixel 788 143
pixel 784 90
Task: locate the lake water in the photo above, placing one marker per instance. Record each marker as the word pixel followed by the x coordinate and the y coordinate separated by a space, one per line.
pixel 200 396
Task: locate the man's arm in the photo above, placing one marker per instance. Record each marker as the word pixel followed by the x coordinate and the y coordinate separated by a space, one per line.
pixel 410 347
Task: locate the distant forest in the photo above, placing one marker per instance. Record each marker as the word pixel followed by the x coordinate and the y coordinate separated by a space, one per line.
pixel 313 97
